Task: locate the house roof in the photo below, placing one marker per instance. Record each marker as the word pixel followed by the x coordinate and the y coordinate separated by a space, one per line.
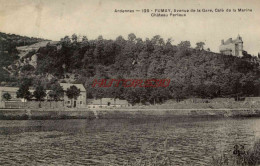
pixel 237 40
pixel 226 49
pixel 65 86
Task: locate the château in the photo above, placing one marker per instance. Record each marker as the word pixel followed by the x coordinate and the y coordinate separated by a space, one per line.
pixel 232 47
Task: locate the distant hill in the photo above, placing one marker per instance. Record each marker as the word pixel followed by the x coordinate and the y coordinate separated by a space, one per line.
pixel 8 42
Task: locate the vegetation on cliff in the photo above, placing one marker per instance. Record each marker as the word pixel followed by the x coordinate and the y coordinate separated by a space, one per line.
pixel 9 53
pixel 194 72
pixel 240 156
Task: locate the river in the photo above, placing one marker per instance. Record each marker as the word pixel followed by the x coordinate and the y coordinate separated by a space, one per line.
pixel 122 141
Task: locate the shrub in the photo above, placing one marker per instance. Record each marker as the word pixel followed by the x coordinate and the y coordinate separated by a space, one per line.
pixel 240 156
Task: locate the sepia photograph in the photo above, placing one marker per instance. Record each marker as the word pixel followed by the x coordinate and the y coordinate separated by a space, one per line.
pixel 130 82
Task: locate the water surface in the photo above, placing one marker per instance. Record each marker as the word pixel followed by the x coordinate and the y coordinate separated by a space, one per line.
pixel 124 141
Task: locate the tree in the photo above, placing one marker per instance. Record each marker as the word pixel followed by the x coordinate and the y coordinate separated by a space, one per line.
pixel 200 45
pixel 131 37
pixel 184 44
pixel 39 94
pixel 6 96
pixel 161 42
pixel 120 41
pixel 23 91
pixel 155 39
pixel 246 55
pixel 74 38
pixel 73 93
pixel 84 39
pixel 65 41
pixel 98 52
pixel 195 73
pixel 56 93
pixel 169 40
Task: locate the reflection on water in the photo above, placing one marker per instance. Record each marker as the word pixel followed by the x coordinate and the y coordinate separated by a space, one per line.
pixel 115 142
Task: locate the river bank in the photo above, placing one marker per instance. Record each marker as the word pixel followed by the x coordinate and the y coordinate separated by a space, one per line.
pixel 23 114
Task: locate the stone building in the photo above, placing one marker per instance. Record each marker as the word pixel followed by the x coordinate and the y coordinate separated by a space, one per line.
pixel 12 91
pixel 232 47
pixel 81 100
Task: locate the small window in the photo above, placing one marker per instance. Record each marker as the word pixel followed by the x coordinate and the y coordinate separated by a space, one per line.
pixel 80 102
pixel 68 102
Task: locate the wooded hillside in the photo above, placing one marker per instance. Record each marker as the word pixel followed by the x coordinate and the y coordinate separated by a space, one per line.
pixel 9 53
pixel 194 72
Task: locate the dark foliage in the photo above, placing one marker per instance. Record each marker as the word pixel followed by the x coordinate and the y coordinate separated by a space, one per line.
pixel 6 96
pixel 9 53
pixel 39 93
pixel 56 93
pixel 73 92
pixel 193 72
pixel 23 91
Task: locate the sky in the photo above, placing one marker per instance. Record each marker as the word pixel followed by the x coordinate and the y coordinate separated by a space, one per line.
pixel 53 20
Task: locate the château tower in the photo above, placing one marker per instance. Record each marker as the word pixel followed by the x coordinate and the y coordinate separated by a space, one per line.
pixel 232 47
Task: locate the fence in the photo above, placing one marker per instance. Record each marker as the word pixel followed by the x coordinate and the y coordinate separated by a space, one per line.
pixel 34 104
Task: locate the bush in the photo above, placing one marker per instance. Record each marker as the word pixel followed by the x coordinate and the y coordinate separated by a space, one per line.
pixel 253 155
pixel 240 156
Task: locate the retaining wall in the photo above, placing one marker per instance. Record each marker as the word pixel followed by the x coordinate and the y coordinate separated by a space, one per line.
pixel 124 113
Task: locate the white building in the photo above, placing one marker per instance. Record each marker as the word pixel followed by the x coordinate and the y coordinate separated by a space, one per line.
pixel 107 103
pixel 232 47
pixel 81 100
